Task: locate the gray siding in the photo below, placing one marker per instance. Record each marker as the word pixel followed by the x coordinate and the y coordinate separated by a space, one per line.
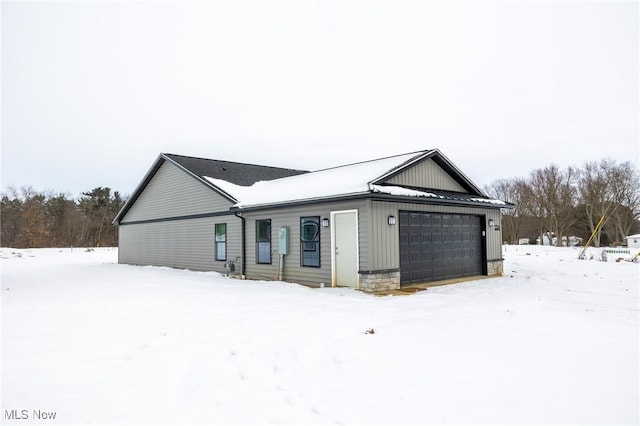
pixel 188 244
pixel 426 174
pixel 384 240
pixel 185 243
pixel 378 241
pixel 172 193
pixel 293 271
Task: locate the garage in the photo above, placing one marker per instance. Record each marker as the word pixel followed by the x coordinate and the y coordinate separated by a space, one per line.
pixel 439 246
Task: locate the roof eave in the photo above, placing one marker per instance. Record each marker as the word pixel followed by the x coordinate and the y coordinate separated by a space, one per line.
pixel 138 190
pixel 438 201
pixel 316 200
pixel 375 196
pixel 151 173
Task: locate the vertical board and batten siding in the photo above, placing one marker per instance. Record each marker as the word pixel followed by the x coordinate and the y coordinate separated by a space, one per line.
pixel 426 174
pixel 290 217
pixel 172 193
pixel 188 244
pixel 182 242
pixel 385 239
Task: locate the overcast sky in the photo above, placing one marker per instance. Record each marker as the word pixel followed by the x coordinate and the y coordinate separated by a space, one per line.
pixel 93 92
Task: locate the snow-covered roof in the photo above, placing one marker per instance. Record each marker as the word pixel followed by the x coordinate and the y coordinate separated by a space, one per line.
pixel 254 186
pixel 338 181
pixel 344 181
pixel 634 236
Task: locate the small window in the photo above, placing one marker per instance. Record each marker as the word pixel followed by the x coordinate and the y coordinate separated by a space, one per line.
pixel 263 241
pixel 221 241
pixel 310 241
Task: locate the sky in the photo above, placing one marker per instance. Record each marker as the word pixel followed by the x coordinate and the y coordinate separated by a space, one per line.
pixel 93 92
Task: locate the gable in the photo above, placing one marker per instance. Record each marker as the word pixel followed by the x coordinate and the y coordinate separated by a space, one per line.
pixel 171 192
pixel 426 174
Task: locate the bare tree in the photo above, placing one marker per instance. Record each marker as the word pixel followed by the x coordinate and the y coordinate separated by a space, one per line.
pixel 595 195
pixel 625 188
pixel 553 196
pixel 532 204
pixel 513 191
pixel 610 195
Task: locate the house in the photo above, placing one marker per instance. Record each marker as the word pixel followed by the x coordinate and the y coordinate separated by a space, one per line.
pixel 633 241
pixel 374 225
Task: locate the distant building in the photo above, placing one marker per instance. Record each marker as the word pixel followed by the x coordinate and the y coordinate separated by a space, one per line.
pixel 550 239
pixel 572 241
pixel 633 241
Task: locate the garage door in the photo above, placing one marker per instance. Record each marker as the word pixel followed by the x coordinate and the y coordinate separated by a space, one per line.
pixel 439 246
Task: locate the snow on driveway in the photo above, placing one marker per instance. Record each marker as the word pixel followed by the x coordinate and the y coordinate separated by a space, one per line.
pixel 88 341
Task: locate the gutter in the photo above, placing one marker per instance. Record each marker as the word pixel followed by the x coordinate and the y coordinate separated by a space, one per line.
pixel 374 196
pixel 285 204
pixel 244 242
pixel 438 201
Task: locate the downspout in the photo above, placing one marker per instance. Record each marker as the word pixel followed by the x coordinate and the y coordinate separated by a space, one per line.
pixel 244 251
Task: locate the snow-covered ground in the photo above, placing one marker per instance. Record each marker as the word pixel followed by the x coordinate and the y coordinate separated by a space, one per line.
pixel 553 341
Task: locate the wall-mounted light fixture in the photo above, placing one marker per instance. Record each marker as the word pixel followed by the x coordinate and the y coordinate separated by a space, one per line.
pixel 391 220
pixel 492 223
pixel 325 222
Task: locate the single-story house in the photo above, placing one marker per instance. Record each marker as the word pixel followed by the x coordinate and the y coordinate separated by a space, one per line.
pixel 374 225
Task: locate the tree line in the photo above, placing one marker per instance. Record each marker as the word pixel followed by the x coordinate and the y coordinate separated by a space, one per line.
pixel 602 199
pixel 30 218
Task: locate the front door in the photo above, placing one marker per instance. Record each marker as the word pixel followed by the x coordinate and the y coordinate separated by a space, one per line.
pixel 344 271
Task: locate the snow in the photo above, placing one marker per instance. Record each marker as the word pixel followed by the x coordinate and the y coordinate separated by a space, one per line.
pixel 338 181
pixel 407 192
pixel 489 200
pixel 344 181
pixel 553 341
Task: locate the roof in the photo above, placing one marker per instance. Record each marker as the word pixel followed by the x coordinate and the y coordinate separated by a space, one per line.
pixel 337 181
pixel 251 186
pixel 352 180
pixel 237 173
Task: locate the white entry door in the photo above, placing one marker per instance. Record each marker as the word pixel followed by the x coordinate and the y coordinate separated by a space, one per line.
pixel 344 242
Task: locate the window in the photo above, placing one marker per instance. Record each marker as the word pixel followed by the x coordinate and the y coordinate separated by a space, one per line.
pixel 310 241
pixel 263 241
pixel 221 241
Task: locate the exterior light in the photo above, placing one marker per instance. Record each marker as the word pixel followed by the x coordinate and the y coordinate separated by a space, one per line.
pixel 325 222
pixel 492 223
pixel 391 220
